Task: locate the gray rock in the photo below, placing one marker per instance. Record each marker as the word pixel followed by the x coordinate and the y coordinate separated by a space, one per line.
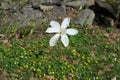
pixel 29 14
pixel 31 11
pixel 118 9
pixel 75 3
pixel 37 14
pixel 36 3
pixel 55 13
pixel 81 3
pixel 4 5
pixel 105 13
pixel 105 5
pixel 87 16
pixel 50 1
pixel 12 5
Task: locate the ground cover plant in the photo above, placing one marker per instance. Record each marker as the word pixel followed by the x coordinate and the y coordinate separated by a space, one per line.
pixel 92 54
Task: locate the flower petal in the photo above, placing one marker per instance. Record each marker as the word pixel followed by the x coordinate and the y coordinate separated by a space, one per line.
pixel 71 31
pixel 65 40
pixel 54 24
pixel 52 30
pixel 54 40
pixel 65 23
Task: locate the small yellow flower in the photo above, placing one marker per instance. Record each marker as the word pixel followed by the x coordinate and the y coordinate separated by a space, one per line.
pixel 118 60
pixel 17 59
pixel 97 78
pixel 49 66
pixel 40 63
pixel 88 79
pixel 64 78
pixel 41 45
pixel 88 60
pixel 52 73
pixel 78 55
pixel 85 63
pixel 44 74
pixel 21 67
pixel 38 70
pixel 26 66
pixel 84 67
pixel 40 76
pixel 72 71
pixel 83 56
pixel 66 63
pixel 18 70
pixel 74 53
pixel 106 46
pixel 34 69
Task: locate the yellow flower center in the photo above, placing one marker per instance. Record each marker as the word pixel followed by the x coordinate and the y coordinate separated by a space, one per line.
pixel 62 31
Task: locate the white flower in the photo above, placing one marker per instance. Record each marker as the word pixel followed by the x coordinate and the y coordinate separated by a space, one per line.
pixel 60 31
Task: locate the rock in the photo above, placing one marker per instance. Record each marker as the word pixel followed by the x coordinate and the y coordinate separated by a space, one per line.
pixel 45 8
pixel 118 13
pixel 12 5
pixel 46 2
pixel 55 13
pixel 109 22
pixel 103 8
pixel 104 5
pixel 75 3
pixel 105 13
pixel 4 5
pixel 29 14
pixel 7 4
pixel 81 3
pixel 85 16
pixel 7 18
pixel 51 1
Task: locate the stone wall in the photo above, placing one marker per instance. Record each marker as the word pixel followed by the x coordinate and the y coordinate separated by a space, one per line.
pixel 23 12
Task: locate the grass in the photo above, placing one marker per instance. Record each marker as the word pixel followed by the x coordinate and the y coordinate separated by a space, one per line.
pixel 89 56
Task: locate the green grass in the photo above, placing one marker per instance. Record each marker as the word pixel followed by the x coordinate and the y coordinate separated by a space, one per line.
pixel 110 29
pixel 89 56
